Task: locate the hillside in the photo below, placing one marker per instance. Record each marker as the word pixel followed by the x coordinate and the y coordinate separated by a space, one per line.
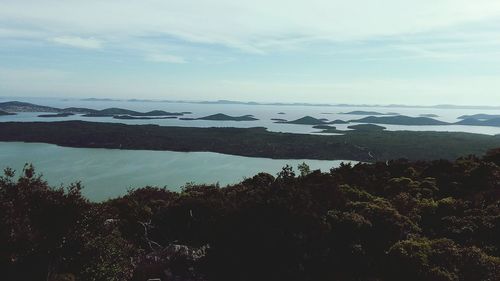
pixel 388 221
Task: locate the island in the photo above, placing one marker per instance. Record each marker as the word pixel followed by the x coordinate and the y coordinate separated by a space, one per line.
pixel 480 116
pixel 63 114
pixel 129 117
pixel 400 120
pixel 223 117
pixel 306 120
pixel 493 122
pixel 338 121
pixel 16 106
pixel 359 112
pixel 360 145
pixel 110 112
pixel 324 127
pixel 366 127
pixel 5 113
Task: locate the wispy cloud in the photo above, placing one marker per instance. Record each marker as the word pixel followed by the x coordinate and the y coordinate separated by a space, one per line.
pixel 77 42
pixel 165 58
pixel 251 26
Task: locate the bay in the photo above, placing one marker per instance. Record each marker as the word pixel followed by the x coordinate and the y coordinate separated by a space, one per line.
pixel 108 173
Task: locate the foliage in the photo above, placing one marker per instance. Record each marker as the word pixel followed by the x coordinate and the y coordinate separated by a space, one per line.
pixel 394 220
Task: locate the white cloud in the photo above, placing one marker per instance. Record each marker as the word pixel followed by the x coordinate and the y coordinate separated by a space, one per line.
pixel 77 42
pixel 249 25
pixel 165 58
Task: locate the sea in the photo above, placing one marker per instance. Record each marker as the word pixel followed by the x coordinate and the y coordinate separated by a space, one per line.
pixel 109 173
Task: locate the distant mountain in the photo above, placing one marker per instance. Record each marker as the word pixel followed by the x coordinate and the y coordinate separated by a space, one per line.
pixel 429 115
pixel 479 116
pixel 400 120
pixel 224 117
pixel 16 106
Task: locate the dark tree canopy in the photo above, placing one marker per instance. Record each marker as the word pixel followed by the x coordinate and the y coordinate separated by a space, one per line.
pixel 387 221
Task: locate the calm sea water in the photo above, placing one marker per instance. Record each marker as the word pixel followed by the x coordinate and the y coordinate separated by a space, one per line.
pixel 263 112
pixel 108 173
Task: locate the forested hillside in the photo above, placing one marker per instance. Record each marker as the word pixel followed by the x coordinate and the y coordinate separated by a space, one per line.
pixel 388 221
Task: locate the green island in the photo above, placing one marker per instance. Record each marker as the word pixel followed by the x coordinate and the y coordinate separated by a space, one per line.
pixel 361 145
pixel 223 117
pixel 388 221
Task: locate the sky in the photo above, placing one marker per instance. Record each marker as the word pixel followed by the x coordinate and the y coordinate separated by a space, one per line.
pixel 320 51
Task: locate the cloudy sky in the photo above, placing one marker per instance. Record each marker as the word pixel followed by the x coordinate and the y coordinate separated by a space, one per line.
pixel 335 51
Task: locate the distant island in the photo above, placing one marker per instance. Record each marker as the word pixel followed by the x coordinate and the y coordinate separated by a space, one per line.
pixel 400 120
pixel 110 112
pixel 306 120
pixel 360 145
pixel 493 122
pixel 232 102
pixel 338 121
pixel 64 114
pixel 359 112
pixel 129 117
pixel 429 115
pixel 366 127
pixel 223 117
pixel 15 106
pixel 327 129
pixel 480 116
pixel 5 113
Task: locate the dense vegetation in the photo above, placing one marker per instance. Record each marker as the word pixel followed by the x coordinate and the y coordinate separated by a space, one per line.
pixel 362 145
pixel 388 221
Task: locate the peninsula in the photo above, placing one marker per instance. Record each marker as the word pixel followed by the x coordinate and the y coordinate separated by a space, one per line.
pixel 361 145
